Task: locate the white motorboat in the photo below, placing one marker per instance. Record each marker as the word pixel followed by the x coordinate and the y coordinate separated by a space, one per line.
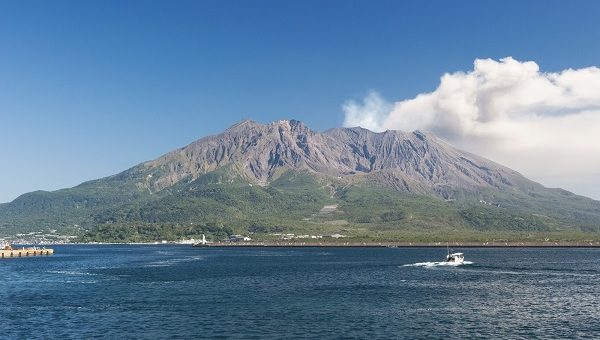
pixel 455 258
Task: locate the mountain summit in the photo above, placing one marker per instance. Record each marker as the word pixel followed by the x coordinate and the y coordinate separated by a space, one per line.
pixel 414 162
pixel 262 177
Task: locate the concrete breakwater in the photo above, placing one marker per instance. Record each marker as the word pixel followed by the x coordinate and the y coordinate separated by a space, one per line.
pixel 24 252
pixel 467 244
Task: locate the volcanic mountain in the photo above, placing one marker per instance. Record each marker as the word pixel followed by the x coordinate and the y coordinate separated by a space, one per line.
pixel 412 162
pixel 279 176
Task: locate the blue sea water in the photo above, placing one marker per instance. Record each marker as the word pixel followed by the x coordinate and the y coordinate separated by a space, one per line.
pixel 167 291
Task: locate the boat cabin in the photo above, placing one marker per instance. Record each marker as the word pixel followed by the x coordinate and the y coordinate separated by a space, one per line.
pixel 455 257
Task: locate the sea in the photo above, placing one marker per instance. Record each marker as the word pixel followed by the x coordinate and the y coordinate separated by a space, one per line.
pixel 181 292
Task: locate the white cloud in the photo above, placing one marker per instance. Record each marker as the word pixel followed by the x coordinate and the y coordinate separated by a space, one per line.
pixel 546 125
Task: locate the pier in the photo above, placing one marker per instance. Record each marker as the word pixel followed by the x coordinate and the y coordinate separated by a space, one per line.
pixel 24 252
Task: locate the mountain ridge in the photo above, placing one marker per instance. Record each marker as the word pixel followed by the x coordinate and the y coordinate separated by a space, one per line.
pixel 335 152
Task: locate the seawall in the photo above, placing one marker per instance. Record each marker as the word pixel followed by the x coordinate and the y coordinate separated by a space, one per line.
pixel 494 244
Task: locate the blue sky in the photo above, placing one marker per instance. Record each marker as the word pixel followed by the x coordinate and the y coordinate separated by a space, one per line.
pixel 90 88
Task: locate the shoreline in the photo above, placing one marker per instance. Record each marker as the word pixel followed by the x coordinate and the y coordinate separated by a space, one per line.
pixel 274 244
pixel 562 244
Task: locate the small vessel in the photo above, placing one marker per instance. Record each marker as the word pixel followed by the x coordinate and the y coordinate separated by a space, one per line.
pixel 202 243
pixel 455 257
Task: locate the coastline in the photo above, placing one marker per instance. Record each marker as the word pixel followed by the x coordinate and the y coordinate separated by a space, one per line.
pixel 497 244
pixel 388 244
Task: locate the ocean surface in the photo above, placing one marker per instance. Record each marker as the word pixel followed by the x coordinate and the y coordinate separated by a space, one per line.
pixel 180 292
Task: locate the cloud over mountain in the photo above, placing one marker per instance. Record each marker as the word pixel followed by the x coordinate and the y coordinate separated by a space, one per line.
pixel 546 125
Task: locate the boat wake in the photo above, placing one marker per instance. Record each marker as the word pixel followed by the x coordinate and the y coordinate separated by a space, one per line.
pixel 174 261
pixel 437 264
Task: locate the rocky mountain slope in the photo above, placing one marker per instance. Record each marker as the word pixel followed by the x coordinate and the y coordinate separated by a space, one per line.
pixel 414 162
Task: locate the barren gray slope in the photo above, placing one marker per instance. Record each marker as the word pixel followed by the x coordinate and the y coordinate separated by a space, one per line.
pixel 416 161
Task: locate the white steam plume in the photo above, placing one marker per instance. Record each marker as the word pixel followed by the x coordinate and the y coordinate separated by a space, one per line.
pixel 546 125
pixel 370 114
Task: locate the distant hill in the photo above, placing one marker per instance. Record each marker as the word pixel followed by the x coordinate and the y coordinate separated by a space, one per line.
pixel 276 178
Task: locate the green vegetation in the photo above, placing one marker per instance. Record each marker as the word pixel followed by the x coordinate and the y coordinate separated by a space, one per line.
pixel 117 209
pixel 490 219
pixel 152 232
